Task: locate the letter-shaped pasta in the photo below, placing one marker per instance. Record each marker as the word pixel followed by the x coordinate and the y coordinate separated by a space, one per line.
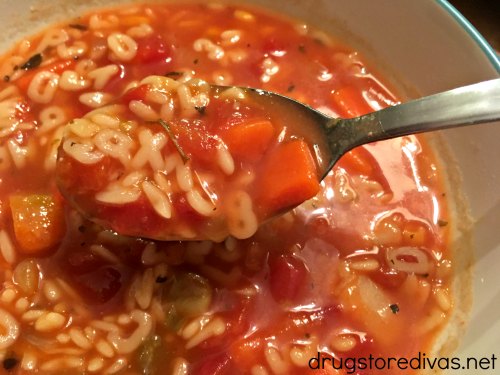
pixel 43 87
pixel 241 219
pixel 83 152
pixel 144 327
pixel 10 329
pixel 72 81
pixel 101 76
pixel 123 47
pixel 115 144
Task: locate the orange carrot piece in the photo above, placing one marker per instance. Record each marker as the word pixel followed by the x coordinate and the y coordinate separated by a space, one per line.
pixel 38 221
pixel 24 81
pixel 349 102
pixel 289 177
pixel 357 161
pixel 249 140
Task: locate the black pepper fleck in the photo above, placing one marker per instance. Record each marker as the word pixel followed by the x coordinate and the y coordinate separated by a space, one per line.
pixel 33 62
pixel 161 279
pixel 173 75
pixel 10 363
pixel 201 110
pixel 394 308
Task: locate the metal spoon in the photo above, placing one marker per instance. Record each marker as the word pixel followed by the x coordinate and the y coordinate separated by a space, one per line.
pixel 468 105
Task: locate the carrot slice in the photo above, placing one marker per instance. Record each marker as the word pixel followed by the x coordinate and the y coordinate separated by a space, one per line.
pixel 358 160
pixel 289 177
pixel 38 221
pixel 24 81
pixel 349 102
pixel 249 140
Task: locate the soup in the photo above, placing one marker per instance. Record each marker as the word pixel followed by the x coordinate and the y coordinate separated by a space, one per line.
pixel 196 162
pixel 362 268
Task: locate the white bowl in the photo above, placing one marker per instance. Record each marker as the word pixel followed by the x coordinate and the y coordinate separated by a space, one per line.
pixel 427 47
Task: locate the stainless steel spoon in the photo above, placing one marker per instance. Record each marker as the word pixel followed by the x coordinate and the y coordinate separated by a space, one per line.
pixel 468 105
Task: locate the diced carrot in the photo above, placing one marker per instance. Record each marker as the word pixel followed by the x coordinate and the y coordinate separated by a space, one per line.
pixel 24 81
pixel 38 221
pixel 249 140
pixel 349 102
pixel 289 177
pixel 358 161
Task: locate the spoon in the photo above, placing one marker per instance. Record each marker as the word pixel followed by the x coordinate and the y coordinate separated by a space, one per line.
pixel 468 105
pixel 119 178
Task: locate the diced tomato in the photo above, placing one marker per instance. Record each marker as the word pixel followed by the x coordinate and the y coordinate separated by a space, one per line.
pixel 220 364
pixel 287 276
pixel 38 221
pixel 288 177
pixel 327 370
pixel 245 351
pixel 133 219
pixel 91 177
pixel 58 67
pixel 185 211
pixel 136 93
pixel 390 279
pixel 100 285
pixel 151 49
pixel 249 140
pixel 82 260
pixel 23 111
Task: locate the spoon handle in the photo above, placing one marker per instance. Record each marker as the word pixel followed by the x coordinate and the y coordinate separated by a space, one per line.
pixel 466 105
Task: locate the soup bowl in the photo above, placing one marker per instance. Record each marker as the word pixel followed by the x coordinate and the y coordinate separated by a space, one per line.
pixel 421 48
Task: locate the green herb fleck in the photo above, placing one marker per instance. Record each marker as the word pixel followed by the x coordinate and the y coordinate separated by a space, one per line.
pixel 290 88
pixel 394 308
pixel 302 48
pixel 171 135
pixel 33 62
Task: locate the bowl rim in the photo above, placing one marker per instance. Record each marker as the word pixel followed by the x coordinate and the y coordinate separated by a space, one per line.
pixel 488 50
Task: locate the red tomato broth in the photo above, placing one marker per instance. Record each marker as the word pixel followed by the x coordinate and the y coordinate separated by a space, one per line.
pixel 381 197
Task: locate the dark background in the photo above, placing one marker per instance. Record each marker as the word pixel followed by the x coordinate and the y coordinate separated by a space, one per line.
pixel 484 15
